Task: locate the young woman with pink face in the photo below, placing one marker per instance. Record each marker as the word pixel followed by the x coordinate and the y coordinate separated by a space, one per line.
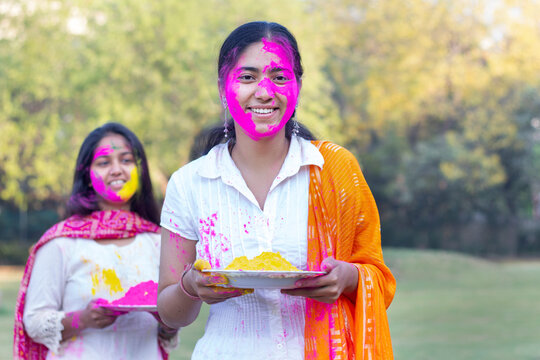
pixel 109 243
pixel 114 173
pixel 263 184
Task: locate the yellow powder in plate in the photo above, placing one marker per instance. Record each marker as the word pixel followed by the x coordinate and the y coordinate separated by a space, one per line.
pixel 202 264
pixel 268 261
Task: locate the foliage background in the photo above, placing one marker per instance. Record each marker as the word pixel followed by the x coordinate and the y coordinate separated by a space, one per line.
pixel 438 99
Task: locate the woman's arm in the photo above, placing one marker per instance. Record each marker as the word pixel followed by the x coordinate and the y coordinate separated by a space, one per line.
pixel 43 317
pixel 179 307
pixel 176 309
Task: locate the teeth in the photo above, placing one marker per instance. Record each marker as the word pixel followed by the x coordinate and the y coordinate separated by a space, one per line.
pixel 262 111
pixel 117 182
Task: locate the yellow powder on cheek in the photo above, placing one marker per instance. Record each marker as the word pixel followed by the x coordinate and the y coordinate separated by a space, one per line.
pixel 131 186
pixel 111 279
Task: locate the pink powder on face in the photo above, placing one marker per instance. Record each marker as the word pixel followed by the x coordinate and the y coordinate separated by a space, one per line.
pixel 101 188
pixel 289 90
pixel 144 293
pixel 103 151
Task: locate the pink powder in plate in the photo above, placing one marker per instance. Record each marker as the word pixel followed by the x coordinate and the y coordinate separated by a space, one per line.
pixel 144 293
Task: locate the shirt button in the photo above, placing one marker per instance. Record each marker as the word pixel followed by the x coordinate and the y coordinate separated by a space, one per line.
pixel 280 346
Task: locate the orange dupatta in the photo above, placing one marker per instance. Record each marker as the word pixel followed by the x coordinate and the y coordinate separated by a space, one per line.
pixel 343 222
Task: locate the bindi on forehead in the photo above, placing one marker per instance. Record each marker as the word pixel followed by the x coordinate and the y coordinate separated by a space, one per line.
pixel 108 149
pixel 116 147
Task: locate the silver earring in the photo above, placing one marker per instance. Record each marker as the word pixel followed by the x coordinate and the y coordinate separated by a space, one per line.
pixel 296 127
pixel 226 122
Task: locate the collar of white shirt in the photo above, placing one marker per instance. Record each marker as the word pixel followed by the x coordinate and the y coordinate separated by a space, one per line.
pixel 218 162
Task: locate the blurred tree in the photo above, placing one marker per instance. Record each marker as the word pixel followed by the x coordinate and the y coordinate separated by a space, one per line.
pixel 428 93
pixel 71 66
pixel 435 97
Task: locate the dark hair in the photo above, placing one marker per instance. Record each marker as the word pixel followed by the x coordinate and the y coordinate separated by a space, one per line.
pixel 251 33
pixel 83 199
pixel 209 137
pixel 233 46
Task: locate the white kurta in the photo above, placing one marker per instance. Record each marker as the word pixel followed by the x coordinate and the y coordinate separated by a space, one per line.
pixel 68 273
pixel 209 201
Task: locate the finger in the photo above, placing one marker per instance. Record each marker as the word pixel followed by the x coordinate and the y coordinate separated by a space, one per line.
pixel 214 279
pixel 328 264
pixel 314 282
pixel 230 291
pixel 312 292
pixel 215 294
pixel 105 323
pixel 306 292
pixel 325 298
pixel 107 312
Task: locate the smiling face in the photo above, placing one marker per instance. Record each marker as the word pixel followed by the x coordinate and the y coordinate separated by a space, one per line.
pixel 262 90
pixel 113 173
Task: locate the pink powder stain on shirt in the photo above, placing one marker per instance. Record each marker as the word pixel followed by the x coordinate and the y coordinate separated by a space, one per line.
pixel 75 349
pixel 212 243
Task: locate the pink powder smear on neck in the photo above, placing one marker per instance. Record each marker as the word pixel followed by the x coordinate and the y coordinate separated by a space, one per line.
pixel 144 293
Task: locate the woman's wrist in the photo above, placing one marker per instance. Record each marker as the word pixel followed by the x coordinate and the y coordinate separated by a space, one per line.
pixel 166 332
pixel 352 286
pixel 182 286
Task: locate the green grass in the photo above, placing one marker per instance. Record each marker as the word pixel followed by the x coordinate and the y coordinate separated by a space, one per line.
pixel 8 296
pixel 447 306
pixel 450 306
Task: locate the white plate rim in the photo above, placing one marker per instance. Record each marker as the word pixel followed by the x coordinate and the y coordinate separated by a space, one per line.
pixel 263 273
pixel 121 307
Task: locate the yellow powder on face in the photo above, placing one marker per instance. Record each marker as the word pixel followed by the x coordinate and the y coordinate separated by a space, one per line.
pixel 268 261
pixel 130 187
pixel 111 279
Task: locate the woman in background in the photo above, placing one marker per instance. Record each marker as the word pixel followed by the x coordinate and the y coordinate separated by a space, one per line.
pixel 264 184
pixel 109 243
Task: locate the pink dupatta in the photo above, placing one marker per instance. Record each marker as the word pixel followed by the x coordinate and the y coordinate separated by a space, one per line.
pixel 110 224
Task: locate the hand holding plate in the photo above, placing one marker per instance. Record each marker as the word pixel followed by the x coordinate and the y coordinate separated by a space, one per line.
pixel 341 277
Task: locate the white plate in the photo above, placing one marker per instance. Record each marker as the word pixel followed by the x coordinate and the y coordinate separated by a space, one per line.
pixel 128 308
pixel 251 279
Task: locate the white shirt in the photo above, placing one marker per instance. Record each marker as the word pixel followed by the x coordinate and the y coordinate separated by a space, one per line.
pixel 68 273
pixel 208 201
